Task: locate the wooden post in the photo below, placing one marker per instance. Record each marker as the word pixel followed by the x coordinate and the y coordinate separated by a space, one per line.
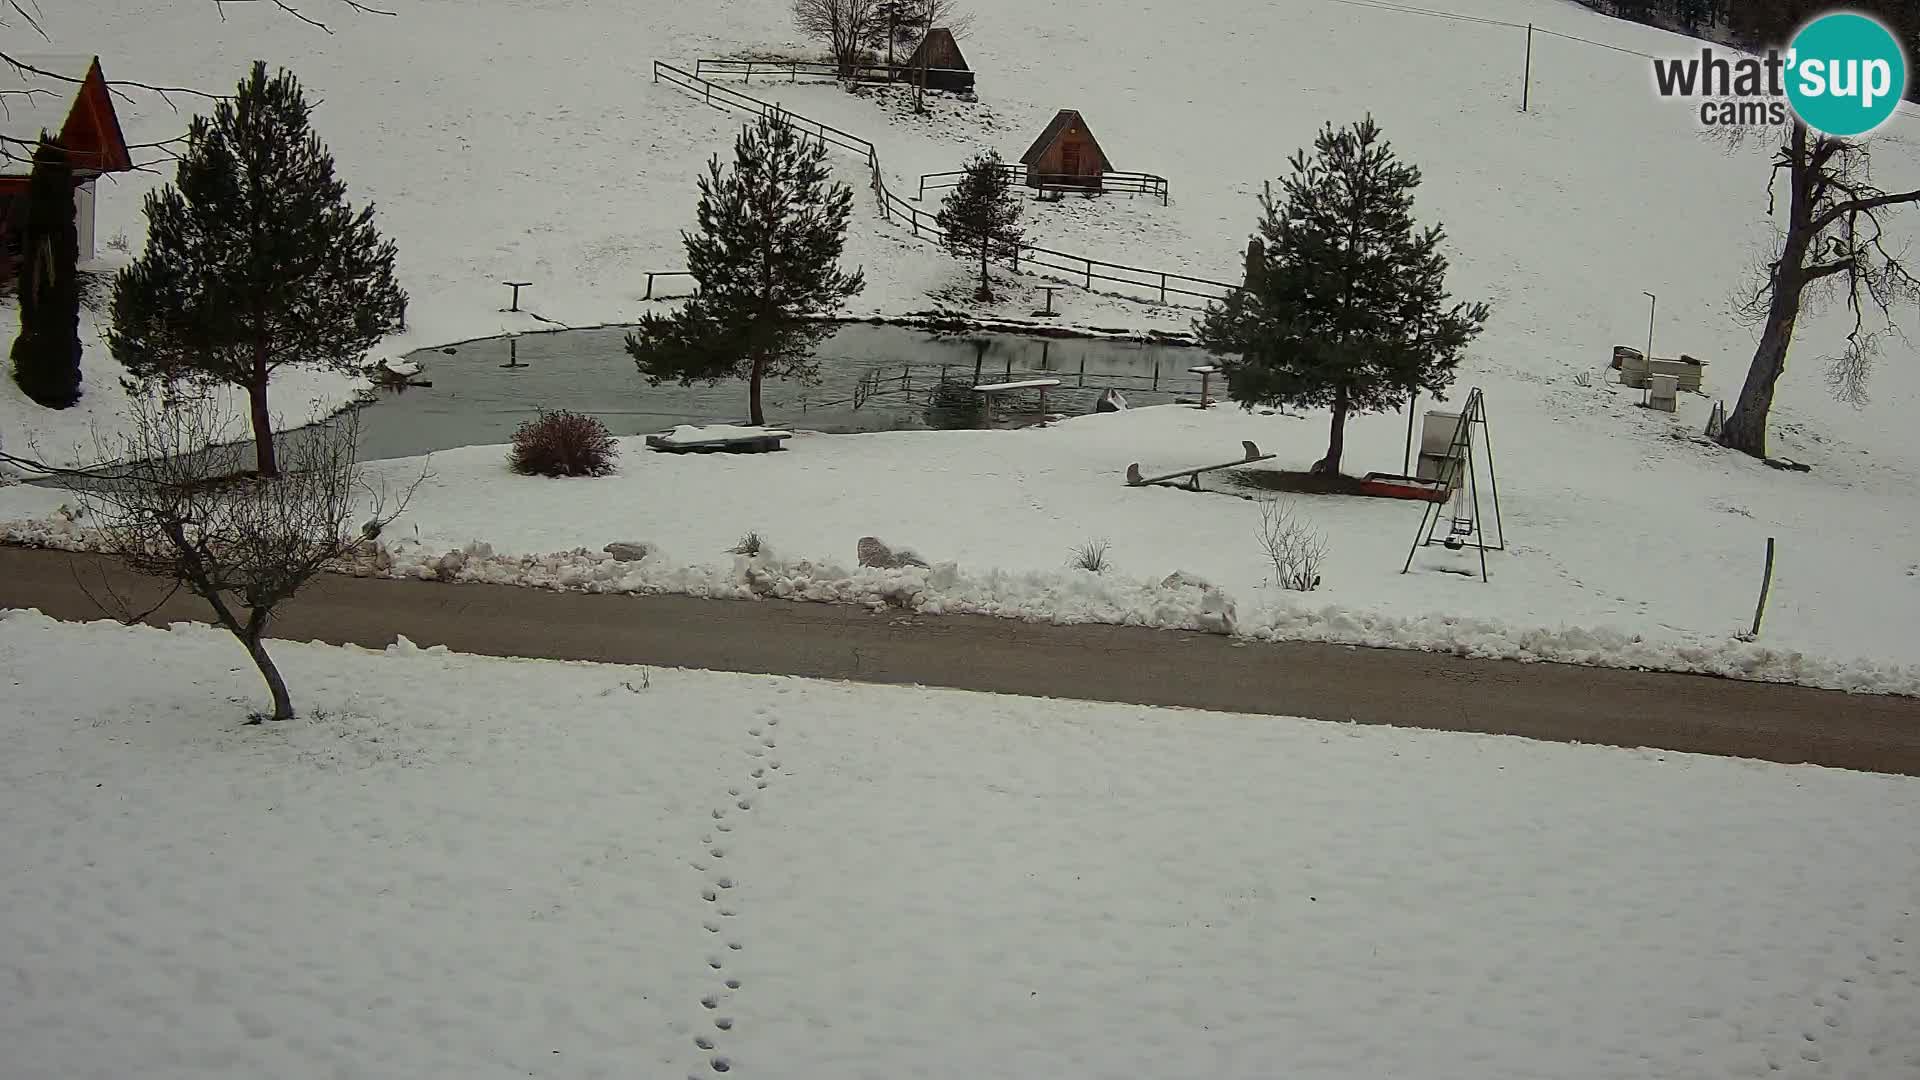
pixel 1766 583
pixel 649 293
pixel 1526 80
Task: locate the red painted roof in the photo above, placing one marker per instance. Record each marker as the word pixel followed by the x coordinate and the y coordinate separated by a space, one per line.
pixel 66 96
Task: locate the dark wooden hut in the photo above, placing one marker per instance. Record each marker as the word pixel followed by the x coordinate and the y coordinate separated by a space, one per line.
pixel 946 68
pixel 1065 155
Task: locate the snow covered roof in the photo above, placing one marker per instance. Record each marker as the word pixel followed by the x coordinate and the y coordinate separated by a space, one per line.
pixel 64 95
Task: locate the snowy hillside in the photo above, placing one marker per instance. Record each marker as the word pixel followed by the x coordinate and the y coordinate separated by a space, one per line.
pixel 456 867
pixel 527 140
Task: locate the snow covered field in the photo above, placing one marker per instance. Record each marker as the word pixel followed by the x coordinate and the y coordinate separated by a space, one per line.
pixel 464 867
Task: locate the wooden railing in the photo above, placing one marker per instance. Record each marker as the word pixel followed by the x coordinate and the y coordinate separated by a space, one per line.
pixel 793 69
pixel 1132 183
pixel 1020 258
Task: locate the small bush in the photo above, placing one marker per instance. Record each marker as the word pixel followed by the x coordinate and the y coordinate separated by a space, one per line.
pixel 563 444
pixel 749 545
pixel 1291 545
pixel 1583 379
pixel 1091 555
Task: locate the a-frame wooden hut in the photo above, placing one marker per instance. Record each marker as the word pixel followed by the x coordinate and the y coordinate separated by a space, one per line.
pixel 946 68
pixel 66 97
pixel 1065 155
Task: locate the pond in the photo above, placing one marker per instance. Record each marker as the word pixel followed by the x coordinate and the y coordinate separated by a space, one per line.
pixel 872 378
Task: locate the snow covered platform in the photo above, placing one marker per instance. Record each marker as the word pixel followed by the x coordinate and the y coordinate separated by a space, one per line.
pixel 988 390
pixel 721 438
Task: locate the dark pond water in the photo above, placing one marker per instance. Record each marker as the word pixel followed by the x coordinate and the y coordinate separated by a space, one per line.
pixel 872 378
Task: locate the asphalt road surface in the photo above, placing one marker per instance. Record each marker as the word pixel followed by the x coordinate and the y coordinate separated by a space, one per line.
pixel 1101 663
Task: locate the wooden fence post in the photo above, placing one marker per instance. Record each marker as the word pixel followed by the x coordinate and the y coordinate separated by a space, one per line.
pixel 1163 287
pixel 1766 584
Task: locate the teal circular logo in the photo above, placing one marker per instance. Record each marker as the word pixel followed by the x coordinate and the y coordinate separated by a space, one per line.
pixel 1845 74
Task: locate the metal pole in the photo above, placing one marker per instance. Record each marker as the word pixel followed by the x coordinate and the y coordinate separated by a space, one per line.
pixel 1493 475
pixel 1479 523
pixel 1406 458
pixel 1653 305
pixel 1526 80
pixel 1766 583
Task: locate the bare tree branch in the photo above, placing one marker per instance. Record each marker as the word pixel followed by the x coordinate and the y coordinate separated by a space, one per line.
pixel 283 5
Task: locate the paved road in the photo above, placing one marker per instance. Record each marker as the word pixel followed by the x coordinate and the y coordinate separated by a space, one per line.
pixel 1103 663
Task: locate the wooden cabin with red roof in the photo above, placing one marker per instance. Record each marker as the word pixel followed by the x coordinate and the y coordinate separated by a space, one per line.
pixel 67 97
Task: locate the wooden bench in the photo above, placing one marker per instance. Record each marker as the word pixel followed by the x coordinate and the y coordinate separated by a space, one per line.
pixel 987 390
pixel 1134 479
pixel 687 439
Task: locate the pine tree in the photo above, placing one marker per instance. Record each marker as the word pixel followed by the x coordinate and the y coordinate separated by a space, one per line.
pixel 254 259
pixel 766 255
pixel 1350 308
pixel 46 355
pixel 981 214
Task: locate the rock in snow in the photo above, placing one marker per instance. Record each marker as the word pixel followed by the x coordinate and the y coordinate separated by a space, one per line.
pixel 872 551
pixel 628 551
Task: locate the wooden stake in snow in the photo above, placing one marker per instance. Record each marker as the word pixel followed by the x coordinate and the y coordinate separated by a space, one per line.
pixel 1766 583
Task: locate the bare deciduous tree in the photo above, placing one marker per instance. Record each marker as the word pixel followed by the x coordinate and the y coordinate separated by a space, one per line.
pixel 1291 544
pixel 846 27
pixel 1832 247
pixel 182 505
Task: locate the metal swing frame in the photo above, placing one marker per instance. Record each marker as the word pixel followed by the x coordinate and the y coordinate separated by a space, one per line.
pixel 1461 475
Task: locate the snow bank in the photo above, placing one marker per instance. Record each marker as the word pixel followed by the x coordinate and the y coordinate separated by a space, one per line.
pixel 1179 601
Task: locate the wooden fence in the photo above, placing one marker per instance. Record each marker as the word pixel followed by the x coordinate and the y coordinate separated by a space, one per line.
pixel 1131 183
pixel 793 69
pixel 1029 258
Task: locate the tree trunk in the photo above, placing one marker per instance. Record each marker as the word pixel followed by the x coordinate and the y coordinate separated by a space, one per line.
pixel 1337 438
pixel 264 461
pixel 985 292
pixel 282 703
pixel 756 416
pixel 1745 429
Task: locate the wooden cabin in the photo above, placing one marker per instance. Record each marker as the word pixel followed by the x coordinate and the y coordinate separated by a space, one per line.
pixel 1065 155
pixel 946 68
pixel 67 97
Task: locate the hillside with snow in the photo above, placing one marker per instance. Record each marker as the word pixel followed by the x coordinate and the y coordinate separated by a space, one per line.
pixel 529 141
